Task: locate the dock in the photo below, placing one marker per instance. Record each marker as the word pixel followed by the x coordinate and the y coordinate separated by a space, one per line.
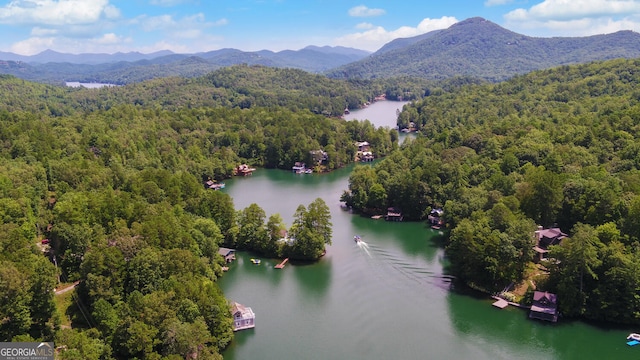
pixel 281 265
pixel 501 303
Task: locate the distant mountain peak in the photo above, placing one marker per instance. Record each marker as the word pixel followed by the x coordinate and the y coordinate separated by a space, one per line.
pixel 479 48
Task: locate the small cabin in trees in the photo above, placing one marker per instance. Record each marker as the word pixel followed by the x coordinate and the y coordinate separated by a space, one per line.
pixel 319 156
pixel 243 317
pixel 544 239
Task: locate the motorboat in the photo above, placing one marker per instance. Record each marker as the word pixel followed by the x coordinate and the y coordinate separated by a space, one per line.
pixel 633 336
pixel 256 261
pixel 357 238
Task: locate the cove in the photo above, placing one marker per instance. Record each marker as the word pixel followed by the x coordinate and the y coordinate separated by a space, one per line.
pixel 388 299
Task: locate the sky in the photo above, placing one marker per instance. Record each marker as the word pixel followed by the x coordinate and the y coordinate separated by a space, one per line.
pixel 191 26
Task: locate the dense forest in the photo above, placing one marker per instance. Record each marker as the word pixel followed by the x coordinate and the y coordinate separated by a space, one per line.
pixel 554 148
pixel 105 188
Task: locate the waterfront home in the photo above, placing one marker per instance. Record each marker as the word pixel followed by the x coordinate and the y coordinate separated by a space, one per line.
pixel 319 156
pixel 366 156
pixel 228 254
pixel 435 218
pixel 244 170
pixel 544 306
pixel 544 239
pixel 299 167
pixel 363 146
pixel 210 184
pixel 394 214
pixel 243 317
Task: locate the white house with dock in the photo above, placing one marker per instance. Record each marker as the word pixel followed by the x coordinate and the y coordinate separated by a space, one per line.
pixel 243 317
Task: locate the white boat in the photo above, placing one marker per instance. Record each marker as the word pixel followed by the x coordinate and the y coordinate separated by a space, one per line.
pixel 357 238
pixel 633 336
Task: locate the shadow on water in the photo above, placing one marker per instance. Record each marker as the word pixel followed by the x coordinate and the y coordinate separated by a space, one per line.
pixel 314 278
pixel 509 333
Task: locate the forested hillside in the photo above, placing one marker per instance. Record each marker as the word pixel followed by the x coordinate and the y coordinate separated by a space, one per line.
pixel 558 147
pixel 479 48
pixel 106 188
pixel 233 87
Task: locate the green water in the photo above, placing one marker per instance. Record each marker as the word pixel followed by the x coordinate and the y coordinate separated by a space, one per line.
pixel 391 299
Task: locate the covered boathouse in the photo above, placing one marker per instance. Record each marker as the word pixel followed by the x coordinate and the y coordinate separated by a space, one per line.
pixel 243 317
pixel 544 306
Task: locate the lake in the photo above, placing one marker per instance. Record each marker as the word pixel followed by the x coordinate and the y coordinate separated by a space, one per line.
pixel 380 113
pixel 88 85
pixel 387 298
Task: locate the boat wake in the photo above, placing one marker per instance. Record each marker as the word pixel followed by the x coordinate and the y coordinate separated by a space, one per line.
pixel 364 246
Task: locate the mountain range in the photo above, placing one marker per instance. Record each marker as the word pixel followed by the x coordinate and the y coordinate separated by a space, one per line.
pixel 474 47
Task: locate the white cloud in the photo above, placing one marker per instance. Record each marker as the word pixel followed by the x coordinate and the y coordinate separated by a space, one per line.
pixel 364 26
pixel 375 37
pixel 56 12
pixel 107 43
pixel 220 22
pixel 33 45
pixel 363 11
pixel 575 18
pixel 572 9
pixel 169 23
pixel 108 39
pixel 497 2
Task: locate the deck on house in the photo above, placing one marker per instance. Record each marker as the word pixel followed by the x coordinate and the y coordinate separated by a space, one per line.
pixel 281 265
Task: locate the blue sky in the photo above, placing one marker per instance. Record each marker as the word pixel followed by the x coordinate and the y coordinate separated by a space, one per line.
pixel 189 26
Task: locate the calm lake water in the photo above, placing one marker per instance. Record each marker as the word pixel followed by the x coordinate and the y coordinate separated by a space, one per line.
pixel 388 299
pixel 88 85
pixel 380 113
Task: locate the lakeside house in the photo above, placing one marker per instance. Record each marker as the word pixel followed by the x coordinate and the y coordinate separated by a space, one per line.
pixel 544 306
pixel 364 153
pixel 435 218
pixel 394 214
pixel 228 254
pixel 546 238
pixel 319 157
pixel 243 317
pixel 363 146
pixel 210 184
pixel 299 167
pixel 243 170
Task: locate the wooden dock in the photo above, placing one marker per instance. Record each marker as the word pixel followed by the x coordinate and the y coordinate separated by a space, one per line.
pixel 281 265
pixel 502 303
